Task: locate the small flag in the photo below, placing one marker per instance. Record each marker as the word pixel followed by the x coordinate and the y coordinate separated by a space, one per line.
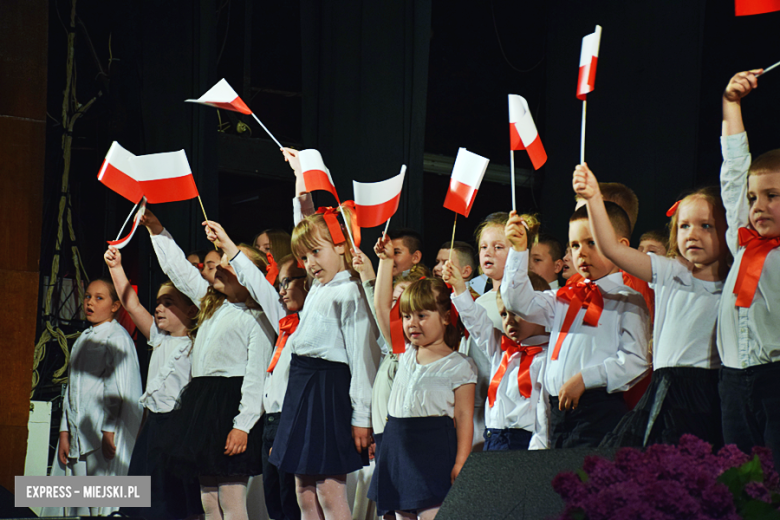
pixel 122 242
pixel 467 173
pixel 522 131
pixel 376 202
pixel 589 57
pixel 750 7
pixel 222 96
pixel 316 175
pixel 165 177
pixel 116 173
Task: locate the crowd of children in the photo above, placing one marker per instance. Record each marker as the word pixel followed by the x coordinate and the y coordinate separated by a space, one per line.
pixel 293 359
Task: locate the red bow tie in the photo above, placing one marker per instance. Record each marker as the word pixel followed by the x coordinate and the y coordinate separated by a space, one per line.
pixel 585 295
pixel 287 326
pixel 524 382
pixel 756 250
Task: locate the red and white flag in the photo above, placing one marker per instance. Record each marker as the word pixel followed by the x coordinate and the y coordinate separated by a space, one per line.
pixel 316 175
pixel 222 96
pixel 165 177
pixel 119 243
pixel 376 202
pixel 117 174
pixel 522 131
pixel 467 173
pixel 589 57
pixel 751 7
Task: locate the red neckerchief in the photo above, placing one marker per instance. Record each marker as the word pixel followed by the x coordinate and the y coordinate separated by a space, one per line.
pixel 273 269
pixel 524 383
pixel 756 250
pixel 287 326
pixel 586 295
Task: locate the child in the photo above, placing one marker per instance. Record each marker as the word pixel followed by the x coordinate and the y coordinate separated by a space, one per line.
pixel 653 241
pixel 463 256
pixel 748 325
pixel 546 258
pixel 170 369
pixel 100 410
pixel 517 406
pixel 324 430
pixel 568 266
pixel 683 397
pixel 274 241
pixel 428 434
pixel 596 352
pixel 407 244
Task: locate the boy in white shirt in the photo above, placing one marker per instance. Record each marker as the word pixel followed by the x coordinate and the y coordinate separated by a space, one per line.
pixel 599 332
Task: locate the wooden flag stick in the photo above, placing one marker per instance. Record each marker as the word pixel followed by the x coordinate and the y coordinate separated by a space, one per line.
pixel 582 137
pixel 452 242
pixel 770 68
pixel 387 225
pixel 127 220
pixel 267 131
pixel 512 173
pixel 204 216
pixel 348 225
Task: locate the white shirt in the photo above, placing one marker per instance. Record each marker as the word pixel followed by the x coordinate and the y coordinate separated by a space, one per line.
pixel 170 369
pixel 510 409
pixel 611 355
pixel 478 283
pixel 685 313
pixel 429 390
pixel 746 336
pixel 104 384
pixel 488 302
pixel 182 273
pixel 336 325
pixel 554 285
pixel 232 343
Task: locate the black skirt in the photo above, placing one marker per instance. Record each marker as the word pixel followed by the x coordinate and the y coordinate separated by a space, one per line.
pixel 199 426
pixel 172 497
pixel 414 463
pixel 679 400
pixel 315 430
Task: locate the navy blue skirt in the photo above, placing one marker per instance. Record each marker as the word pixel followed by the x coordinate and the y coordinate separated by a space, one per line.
pixel 315 431
pixel 414 463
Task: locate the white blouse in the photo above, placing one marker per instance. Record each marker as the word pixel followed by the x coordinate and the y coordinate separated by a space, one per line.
pixel 686 310
pixel 170 369
pixel 429 390
pixel 174 263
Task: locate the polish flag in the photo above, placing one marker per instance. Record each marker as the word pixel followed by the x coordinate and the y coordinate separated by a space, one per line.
pixel 589 57
pixel 117 174
pixel 750 7
pixel 122 242
pixel 222 96
pixel 467 173
pixel 316 175
pixel 376 202
pixel 522 131
pixel 165 177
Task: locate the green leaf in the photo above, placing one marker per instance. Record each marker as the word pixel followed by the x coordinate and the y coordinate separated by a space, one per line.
pixel 751 470
pixel 579 514
pixel 758 510
pixel 733 480
pixel 583 476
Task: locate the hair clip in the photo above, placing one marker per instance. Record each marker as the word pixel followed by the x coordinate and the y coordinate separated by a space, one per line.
pixel 671 211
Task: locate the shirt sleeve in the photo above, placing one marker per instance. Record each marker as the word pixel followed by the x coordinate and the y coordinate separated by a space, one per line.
pixel 174 264
pixel 519 295
pixel 540 440
pixel 155 336
pixel 620 372
pixel 251 277
pixel 733 185
pixel 360 335
pixel 466 374
pixel 258 358
pixel 474 317
pixel 303 206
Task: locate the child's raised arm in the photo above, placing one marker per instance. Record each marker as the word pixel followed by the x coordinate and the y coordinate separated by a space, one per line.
pixel 383 288
pixel 127 296
pixel 451 275
pixel 617 250
pixel 363 266
pixel 739 86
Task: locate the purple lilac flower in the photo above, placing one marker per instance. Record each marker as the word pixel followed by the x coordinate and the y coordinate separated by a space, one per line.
pixel 771 478
pixel 758 491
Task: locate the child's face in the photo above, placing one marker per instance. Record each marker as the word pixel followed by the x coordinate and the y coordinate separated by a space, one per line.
pixel 403 259
pixel 542 263
pixel 586 257
pixel 424 328
pixel 700 237
pixel 650 245
pixel 263 243
pixel 325 261
pixel 764 199
pixel 516 328
pixel 292 288
pixel 492 252
pixel 568 265
pixel 194 260
pixel 98 305
pixel 210 264
pixel 441 259
pixel 172 314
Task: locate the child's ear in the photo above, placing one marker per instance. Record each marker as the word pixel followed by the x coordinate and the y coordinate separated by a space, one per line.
pixel 558 266
pixel 624 241
pixel 116 306
pixel 341 248
pixel 416 257
pixel 446 317
pixel 466 272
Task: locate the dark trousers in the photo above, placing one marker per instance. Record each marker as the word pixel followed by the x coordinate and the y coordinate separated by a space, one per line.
pixel 506 439
pixel 278 486
pixel 750 405
pixel 597 414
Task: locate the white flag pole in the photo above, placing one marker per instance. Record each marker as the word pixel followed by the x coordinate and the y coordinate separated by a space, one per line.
pixel 452 242
pixel 512 173
pixel 770 68
pixel 387 225
pixel 582 142
pixel 267 131
pixel 132 212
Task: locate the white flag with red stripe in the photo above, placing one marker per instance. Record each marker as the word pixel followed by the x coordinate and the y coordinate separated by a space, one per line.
pixel 316 175
pixel 589 57
pixel 222 96
pixel 122 242
pixel 522 131
pixel 376 202
pixel 467 173
pixel 116 173
pixel 165 177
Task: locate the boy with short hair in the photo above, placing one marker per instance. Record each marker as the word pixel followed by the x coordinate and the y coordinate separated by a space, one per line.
pixel 748 328
pixel 599 332
pixel 463 258
pixel 621 195
pixel 546 258
pixel 653 241
pixel 407 246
